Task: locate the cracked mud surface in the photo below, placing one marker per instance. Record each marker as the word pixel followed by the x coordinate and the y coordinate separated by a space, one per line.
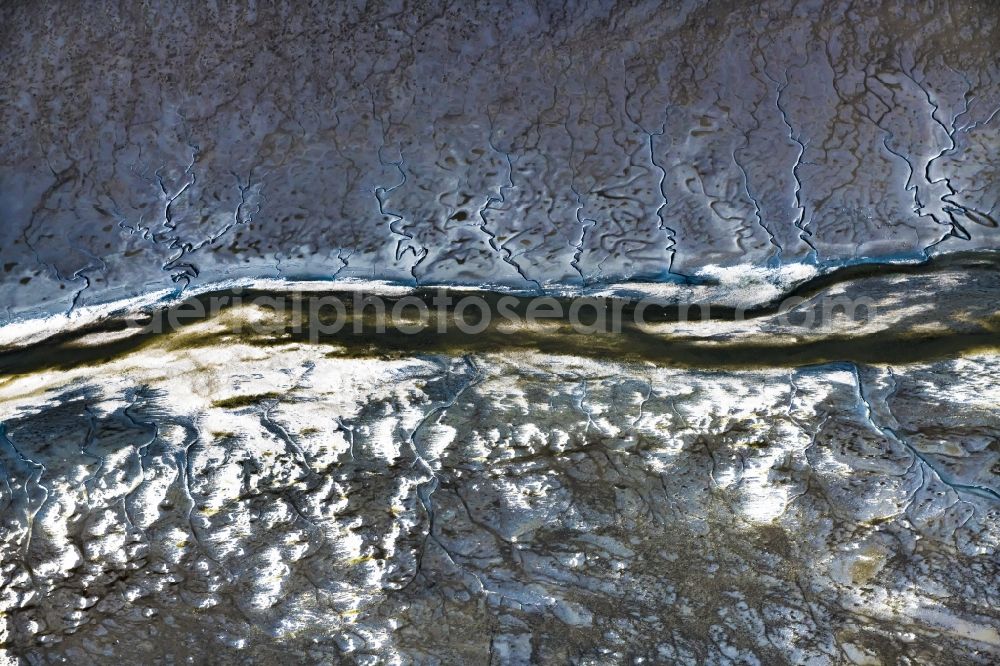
pixel 525 145
pixel 754 486
pixel 518 508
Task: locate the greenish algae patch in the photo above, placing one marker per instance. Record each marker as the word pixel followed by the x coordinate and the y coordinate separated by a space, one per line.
pixel 237 401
